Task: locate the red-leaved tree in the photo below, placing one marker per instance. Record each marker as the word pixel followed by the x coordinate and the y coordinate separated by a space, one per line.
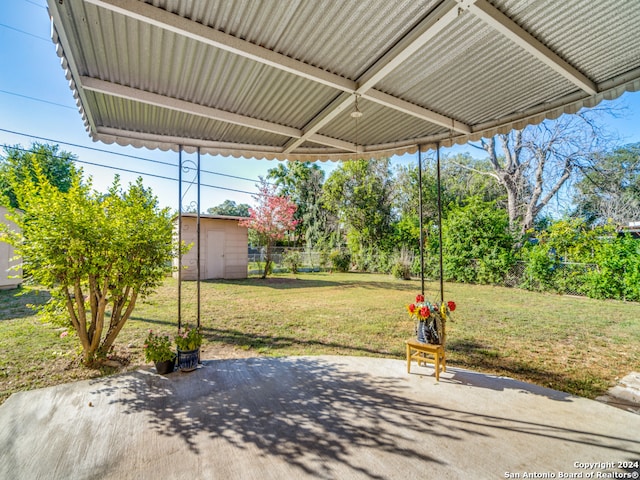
pixel 271 219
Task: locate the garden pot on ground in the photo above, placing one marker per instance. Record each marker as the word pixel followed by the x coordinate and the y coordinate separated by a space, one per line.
pixel 165 367
pixel 188 360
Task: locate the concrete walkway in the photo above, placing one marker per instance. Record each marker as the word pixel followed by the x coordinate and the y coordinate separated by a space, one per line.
pixel 311 417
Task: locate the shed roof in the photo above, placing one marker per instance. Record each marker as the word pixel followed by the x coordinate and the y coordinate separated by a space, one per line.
pixel 211 217
pixel 279 79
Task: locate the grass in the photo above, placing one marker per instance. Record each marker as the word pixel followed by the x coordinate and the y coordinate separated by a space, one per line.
pixel 577 345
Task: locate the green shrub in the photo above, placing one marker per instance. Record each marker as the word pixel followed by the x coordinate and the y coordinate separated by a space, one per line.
pixel 292 260
pixel 540 268
pixel 618 270
pixel 477 245
pixel 402 264
pixel 340 260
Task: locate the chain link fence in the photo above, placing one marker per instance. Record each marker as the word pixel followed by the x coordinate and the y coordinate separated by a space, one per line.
pixel 284 258
pixel 566 278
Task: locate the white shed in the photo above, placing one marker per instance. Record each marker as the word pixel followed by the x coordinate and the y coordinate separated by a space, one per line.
pixel 224 247
pixel 9 278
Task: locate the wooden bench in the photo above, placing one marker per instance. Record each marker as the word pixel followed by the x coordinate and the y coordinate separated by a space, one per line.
pixel 420 351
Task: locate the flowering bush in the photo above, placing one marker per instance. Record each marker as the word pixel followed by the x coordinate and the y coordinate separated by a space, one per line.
pixel 433 315
pixel 189 339
pixel 158 348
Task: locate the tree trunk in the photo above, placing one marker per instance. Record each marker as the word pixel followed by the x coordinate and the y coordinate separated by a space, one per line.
pixel 117 323
pixel 267 260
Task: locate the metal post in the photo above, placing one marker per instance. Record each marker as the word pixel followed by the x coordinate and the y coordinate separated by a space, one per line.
pixel 420 219
pixel 179 253
pixel 440 222
pixel 198 236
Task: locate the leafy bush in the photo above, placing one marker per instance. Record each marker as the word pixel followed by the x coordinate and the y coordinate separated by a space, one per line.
pixel 477 245
pixel 96 253
pixel 539 270
pixel 292 260
pixel 618 272
pixel 401 267
pixel 340 260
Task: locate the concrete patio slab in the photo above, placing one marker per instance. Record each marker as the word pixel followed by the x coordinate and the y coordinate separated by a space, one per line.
pixel 625 393
pixel 312 417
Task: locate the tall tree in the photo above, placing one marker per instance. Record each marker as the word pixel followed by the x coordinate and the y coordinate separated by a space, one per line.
pixel 302 183
pixel 272 218
pixel 360 193
pixel 230 208
pixel 536 163
pixel 18 165
pixel 610 189
pixel 462 177
pixel 96 253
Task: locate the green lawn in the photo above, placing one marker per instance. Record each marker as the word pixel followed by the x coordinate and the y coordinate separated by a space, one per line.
pixel 576 345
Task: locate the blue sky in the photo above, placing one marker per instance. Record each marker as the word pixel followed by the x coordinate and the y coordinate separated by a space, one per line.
pixel 36 101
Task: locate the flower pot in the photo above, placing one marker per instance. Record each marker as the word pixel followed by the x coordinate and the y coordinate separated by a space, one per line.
pixel 427 332
pixel 165 367
pixel 188 360
pixel 420 332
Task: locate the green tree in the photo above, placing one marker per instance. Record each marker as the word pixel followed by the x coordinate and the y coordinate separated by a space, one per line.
pixel 18 165
pixel 406 188
pixel 459 183
pixel 462 178
pixel 230 208
pixel 359 193
pixel 272 218
pixel 302 183
pixel 477 244
pixel 96 253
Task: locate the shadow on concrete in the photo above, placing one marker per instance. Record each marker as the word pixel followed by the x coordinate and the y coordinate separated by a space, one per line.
pixel 301 411
pixel 312 414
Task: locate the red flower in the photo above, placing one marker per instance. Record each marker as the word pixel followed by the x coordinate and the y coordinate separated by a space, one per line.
pixel 412 308
pixel 424 312
pixel 419 298
pixel 451 306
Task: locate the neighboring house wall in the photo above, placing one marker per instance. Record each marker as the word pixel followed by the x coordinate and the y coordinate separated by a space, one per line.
pixel 223 248
pixel 6 259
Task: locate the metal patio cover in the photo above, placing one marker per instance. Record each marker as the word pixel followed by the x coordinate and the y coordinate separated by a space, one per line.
pixel 278 79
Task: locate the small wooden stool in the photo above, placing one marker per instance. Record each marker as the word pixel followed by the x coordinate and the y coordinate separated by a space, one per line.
pixel 418 351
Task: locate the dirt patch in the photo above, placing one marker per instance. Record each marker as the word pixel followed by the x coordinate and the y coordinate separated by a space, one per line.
pixel 219 352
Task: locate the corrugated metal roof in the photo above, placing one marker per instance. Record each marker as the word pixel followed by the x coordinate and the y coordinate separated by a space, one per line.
pixel 274 79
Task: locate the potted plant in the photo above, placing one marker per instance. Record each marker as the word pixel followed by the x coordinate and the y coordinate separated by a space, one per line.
pixel 188 343
pixel 432 318
pixel 159 350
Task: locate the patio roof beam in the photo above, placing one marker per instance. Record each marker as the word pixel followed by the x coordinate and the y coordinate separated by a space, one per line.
pixel 182 26
pixel 436 21
pixel 409 108
pixel 163 101
pixel 516 34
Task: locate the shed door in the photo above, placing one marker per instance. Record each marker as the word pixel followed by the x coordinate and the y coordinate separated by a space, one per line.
pixel 214 266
